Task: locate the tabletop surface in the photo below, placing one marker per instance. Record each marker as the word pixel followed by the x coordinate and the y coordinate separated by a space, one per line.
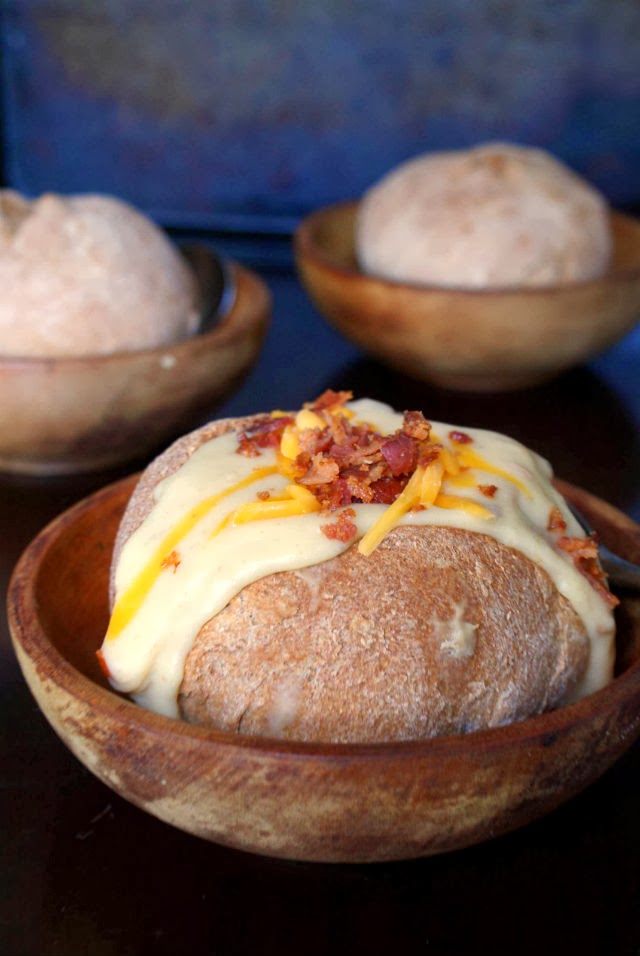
pixel 82 871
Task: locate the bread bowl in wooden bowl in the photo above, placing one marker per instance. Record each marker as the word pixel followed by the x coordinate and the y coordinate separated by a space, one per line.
pixel 325 800
pixel 112 338
pixel 64 414
pixel 473 339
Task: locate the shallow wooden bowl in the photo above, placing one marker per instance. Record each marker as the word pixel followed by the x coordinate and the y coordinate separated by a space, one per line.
pixel 465 339
pixel 300 801
pixel 66 415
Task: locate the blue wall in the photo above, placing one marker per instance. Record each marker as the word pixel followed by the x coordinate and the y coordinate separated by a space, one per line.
pixel 248 114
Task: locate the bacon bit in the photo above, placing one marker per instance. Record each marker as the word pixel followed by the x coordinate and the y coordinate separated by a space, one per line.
pixel 171 560
pixel 415 425
pixel 334 496
pixel 263 495
pixel 400 453
pixel 386 490
pixel 343 528
pixel 428 453
pixel 329 401
pixel 344 462
pixel 265 433
pixel 584 554
pixel 461 438
pixel 556 521
pixel 103 664
pixel 488 491
pixel 321 470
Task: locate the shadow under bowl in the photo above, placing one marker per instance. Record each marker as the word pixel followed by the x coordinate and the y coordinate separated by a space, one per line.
pixel 322 802
pixel 494 339
pixel 65 415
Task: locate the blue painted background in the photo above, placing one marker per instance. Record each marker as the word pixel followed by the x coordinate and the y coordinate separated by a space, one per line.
pixel 247 114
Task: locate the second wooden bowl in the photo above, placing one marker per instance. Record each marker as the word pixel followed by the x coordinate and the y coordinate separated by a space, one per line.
pixel 496 339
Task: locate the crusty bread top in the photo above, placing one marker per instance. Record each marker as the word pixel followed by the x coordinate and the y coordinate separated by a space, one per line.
pixel 498 215
pixel 88 275
pixel 439 631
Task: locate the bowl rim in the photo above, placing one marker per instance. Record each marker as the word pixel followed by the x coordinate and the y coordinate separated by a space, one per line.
pixel 306 247
pixel 233 317
pixel 34 642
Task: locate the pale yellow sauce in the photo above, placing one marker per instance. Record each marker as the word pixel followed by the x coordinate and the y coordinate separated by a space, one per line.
pixel 161 605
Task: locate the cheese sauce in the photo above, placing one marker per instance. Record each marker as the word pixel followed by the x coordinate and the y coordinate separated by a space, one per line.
pixel 187 560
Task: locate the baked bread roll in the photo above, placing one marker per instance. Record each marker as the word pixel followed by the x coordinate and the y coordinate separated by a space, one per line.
pixel 350 574
pixel 88 275
pixel 495 216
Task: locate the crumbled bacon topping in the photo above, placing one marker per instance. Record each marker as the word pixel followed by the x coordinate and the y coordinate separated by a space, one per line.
pixel 329 401
pixel 400 453
pixel 344 463
pixel 461 438
pixel 556 521
pixel 171 560
pixel 416 426
pixel 266 432
pixel 104 667
pixel 343 528
pixel 584 554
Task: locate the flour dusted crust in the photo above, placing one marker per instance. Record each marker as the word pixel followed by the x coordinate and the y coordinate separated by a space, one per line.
pixel 88 275
pixel 439 631
pixel 498 215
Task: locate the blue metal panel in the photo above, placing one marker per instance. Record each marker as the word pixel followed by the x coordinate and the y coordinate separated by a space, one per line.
pixel 247 114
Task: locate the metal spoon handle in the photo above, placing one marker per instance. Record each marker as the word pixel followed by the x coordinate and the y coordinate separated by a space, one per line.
pixel 619 571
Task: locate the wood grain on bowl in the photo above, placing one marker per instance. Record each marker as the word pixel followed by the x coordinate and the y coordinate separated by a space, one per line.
pixel 64 415
pixel 485 340
pixel 350 803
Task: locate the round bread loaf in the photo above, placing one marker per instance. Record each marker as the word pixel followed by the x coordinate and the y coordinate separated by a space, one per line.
pixel 439 631
pixel 498 215
pixel 88 275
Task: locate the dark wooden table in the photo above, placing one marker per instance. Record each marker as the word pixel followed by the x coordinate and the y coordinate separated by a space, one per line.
pixel 83 872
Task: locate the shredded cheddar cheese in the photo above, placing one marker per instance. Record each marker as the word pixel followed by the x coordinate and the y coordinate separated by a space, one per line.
pixel 403 503
pixel 127 605
pixel 469 458
pixel 425 488
pixel 296 500
pixel 471 507
pixel 431 483
pixel 331 476
pixel 428 486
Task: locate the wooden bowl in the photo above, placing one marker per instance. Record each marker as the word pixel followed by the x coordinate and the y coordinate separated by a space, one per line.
pixel 467 339
pixel 320 802
pixel 78 414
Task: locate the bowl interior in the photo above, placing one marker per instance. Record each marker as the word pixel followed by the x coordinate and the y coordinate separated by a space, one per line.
pixel 316 802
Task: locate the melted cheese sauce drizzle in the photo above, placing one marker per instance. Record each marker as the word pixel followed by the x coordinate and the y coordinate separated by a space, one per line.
pixel 173 576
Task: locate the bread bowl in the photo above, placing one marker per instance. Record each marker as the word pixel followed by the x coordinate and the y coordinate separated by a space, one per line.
pixel 89 275
pixel 498 215
pixel 347 573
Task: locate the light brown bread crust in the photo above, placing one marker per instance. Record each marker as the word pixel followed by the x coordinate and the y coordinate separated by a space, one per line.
pixel 494 216
pixel 89 275
pixel 439 631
